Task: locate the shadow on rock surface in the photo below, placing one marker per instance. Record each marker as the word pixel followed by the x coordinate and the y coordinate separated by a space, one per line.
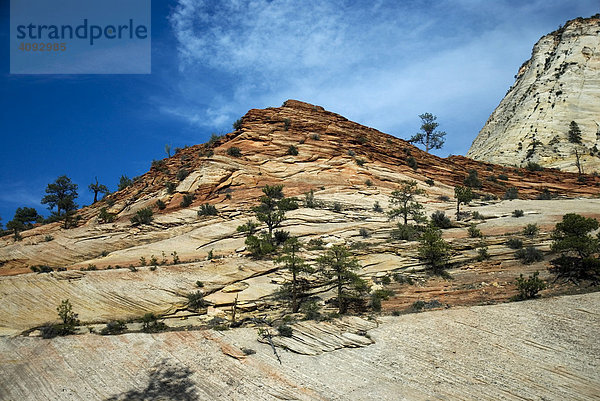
pixel 167 381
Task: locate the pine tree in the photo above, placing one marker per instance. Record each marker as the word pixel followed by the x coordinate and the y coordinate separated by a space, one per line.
pixel 463 195
pixel 338 266
pixel 97 188
pixel 407 204
pixel 61 194
pixel 429 137
pixel 574 133
pixel 291 261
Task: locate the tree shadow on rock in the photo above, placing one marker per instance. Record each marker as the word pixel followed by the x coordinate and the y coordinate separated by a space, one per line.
pixel 166 382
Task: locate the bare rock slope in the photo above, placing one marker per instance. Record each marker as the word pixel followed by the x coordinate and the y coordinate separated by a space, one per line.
pixel 560 83
pixel 540 350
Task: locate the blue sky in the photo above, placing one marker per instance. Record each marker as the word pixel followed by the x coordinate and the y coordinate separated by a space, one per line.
pixel 380 63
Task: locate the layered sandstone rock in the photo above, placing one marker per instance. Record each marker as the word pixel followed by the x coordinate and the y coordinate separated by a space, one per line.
pixel 560 83
pixel 349 167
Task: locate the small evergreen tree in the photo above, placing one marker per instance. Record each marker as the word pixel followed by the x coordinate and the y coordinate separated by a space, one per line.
pixel 529 287
pixel 463 195
pixel 433 249
pixel 273 206
pixel 338 266
pixel 407 206
pixel 577 247
pixel 124 182
pixel 574 133
pixel 61 194
pixel 296 266
pixel 23 220
pixel 429 137
pixel 68 317
pixel 97 188
pixel 472 180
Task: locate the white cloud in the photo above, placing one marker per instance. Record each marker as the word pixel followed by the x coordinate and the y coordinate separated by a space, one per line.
pixel 379 63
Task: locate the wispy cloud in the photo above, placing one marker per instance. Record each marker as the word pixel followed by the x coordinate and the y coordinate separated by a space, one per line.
pixel 380 63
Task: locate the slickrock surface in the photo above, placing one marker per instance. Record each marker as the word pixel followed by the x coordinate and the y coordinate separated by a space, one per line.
pixel 560 83
pixel 540 350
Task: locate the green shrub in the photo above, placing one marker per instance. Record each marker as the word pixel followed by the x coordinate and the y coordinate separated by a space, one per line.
pixel 315 244
pixel 429 182
pixel 187 200
pixel 492 178
pixel 249 227
pixel 113 327
pixel 418 306
pixel 150 324
pixel 472 180
pixel 159 165
pixel 142 216
pixel 482 254
pixel 503 177
pixel 234 151
pixel 315 137
pixel 364 232
pixel 579 249
pixel 292 151
pixel 124 182
pixel 175 257
pixel 351 153
pixel 531 230
pixel 337 206
pixel 142 261
pixel 360 162
pixel 531 166
pixel 207 210
pixel 514 243
pixel 377 207
pixel 518 213
pixel 311 310
pixel 474 232
pixel 412 162
pixel 433 249
pixel 237 124
pixel 545 195
pixel 171 186
pixel 280 236
pixel 286 124
pixel 259 246
pixel 41 269
pixel 284 330
pixel 386 280
pixel 309 199
pixel 477 216
pixel 195 300
pixel 362 139
pixel 406 232
pixel 444 198
pixel 105 217
pixel 182 174
pixel 161 205
pixel 529 287
pixel 48 238
pixel 402 279
pixel 377 297
pixel 369 183
pixel 199 284
pixel 529 255
pixel 439 219
pixel 511 193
